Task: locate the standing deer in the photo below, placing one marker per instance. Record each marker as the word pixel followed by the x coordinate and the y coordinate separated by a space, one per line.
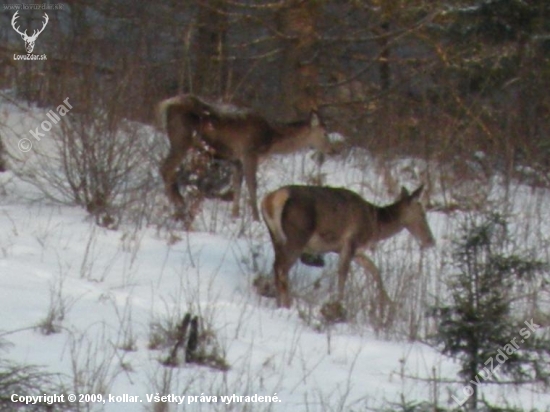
pixel 316 219
pixel 233 133
pixel 29 40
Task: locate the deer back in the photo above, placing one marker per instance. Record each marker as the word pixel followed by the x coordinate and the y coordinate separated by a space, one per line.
pixel 322 218
pixel 232 131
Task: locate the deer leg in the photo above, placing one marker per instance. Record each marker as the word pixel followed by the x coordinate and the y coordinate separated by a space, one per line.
pixel 281 267
pixel 250 166
pixel 168 171
pixel 346 254
pixel 237 183
pixel 371 268
pixel 180 135
pixel 286 256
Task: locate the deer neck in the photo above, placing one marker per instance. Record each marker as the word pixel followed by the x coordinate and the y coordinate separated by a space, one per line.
pixel 290 138
pixel 388 221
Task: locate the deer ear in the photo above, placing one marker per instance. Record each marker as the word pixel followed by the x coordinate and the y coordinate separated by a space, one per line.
pixel 416 194
pixel 404 193
pixel 314 120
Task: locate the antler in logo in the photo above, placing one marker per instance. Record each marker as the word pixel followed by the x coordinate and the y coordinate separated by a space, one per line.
pixel 29 40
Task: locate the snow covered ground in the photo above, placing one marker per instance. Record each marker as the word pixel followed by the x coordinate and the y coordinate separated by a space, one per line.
pixel 106 288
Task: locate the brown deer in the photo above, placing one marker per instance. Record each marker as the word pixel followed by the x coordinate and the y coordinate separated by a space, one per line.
pixel 234 133
pixel 317 219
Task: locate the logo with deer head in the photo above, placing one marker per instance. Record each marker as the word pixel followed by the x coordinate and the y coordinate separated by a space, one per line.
pixel 29 40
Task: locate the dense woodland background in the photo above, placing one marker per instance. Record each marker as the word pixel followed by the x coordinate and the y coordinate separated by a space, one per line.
pixel 452 94
pixel 440 79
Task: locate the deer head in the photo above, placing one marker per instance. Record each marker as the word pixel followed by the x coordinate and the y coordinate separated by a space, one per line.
pixel 413 216
pixel 29 40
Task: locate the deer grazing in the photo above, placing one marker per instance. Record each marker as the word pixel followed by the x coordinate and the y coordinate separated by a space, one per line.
pixel 233 133
pixel 29 40
pixel 317 219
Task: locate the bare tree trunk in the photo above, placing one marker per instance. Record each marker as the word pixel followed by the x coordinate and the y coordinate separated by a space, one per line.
pixel 296 22
pixel 3 167
pixel 384 60
pixel 210 44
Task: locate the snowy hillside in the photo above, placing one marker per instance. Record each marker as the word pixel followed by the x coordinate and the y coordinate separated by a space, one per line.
pixel 85 302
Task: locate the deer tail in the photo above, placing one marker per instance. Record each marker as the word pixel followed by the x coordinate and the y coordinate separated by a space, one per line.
pixel 273 205
pixel 162 109
pixel 186 103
